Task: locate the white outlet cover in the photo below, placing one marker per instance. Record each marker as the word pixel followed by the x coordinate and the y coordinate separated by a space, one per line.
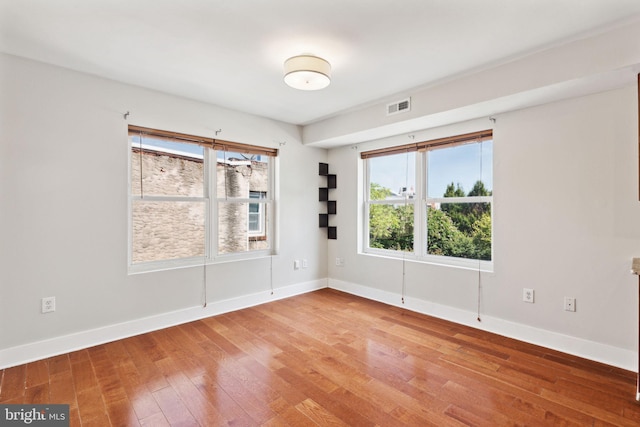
pixel 48 304
pixel 569 304
pixel 528 295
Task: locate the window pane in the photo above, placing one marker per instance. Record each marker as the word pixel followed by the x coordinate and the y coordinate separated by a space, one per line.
pixel 461 230
pixel 168 168
pixel 460 171
pixel 240 174
pixel 167 230
pixel 254 220
pixel 256 213
pixel 392 177
pixel 391 227
pixel 234 232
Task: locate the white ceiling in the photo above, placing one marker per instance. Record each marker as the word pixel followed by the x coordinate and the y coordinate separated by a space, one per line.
pixel 231 52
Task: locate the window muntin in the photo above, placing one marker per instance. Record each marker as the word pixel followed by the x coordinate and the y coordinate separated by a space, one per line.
pixel 172 216
pixel 446 216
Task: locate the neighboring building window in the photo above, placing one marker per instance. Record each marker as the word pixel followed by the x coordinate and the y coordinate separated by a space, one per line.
pixel 173 216
pixel 257 218
pixel 432 200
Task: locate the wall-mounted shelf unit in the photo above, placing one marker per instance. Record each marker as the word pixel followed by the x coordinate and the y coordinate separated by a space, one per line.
pixel 323 196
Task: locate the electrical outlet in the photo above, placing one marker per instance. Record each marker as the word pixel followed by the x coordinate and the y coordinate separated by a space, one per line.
pixel 528 295
pixel 305 263
pixel 569 304
pixel 296 264
pixel 48 304
pixel 340 262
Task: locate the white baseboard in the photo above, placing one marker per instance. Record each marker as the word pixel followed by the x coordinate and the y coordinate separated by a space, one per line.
pixel 604 353
pixel 591 350
pixel 64 344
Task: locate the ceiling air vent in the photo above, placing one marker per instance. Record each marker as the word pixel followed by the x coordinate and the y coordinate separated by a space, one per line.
pixel 399 107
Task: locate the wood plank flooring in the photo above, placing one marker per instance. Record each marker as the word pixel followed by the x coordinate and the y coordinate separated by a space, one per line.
pixel 330 359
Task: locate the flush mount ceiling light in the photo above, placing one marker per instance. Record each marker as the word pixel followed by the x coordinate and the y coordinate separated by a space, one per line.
pixel 307 72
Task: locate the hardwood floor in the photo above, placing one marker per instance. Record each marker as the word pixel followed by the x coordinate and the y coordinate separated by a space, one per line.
pixel 325 358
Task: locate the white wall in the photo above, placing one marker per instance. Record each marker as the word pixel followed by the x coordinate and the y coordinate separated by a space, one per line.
pixel 566 223
pixel 63 212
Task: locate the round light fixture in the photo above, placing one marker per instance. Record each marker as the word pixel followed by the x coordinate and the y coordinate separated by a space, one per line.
pixel 307 72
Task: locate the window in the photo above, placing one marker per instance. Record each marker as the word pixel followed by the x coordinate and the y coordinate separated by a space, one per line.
pixel 432 200
pixel 391 202
pixel 175 215
pixel 257 219
pixel 243 190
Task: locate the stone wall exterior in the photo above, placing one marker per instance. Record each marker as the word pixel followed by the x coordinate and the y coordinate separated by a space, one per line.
pixel 171 230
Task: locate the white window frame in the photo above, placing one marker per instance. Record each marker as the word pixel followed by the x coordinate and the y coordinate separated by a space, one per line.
pixel 421 201
pixel 211 206
pixel 405 201
pixel 268 204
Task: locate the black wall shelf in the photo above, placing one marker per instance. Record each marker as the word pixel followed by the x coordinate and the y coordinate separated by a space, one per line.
pixel 323 196
pixel 332 233
pixel 324 220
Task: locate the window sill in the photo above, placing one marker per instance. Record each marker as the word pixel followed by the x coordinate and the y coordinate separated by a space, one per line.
pixel 155 266
pixel 441 261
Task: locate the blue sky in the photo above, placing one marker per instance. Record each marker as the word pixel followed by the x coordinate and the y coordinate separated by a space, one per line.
pixel 463 164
